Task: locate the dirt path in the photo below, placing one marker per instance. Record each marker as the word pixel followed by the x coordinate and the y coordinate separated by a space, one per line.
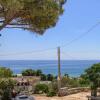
pixel 78 96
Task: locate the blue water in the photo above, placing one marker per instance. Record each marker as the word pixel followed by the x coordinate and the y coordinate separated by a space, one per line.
pixel 72 67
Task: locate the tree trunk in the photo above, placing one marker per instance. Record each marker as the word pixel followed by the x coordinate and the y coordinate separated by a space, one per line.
pixel 6 23
pixel 94 93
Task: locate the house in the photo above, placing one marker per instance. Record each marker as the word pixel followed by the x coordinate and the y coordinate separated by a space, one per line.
pixel 25 84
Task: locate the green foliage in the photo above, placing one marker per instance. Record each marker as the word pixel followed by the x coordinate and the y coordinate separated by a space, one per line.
pixel 6 83
pixel 66 75
pixel 54 86
pixel 93 76
pixel 50 77
pixel 30 72
pixel 74 82
pixel 84 82
pixel 43 77
pixel 6 95
pixel 51 93
pixel 67 81
pixel 38 72
pixel 33 15
pixel 6 87
pixel 41 88
pixel 5 72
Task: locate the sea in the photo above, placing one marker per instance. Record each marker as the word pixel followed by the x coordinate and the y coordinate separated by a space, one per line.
pixel 72 67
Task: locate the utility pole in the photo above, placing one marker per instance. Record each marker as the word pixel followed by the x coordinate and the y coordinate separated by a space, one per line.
pixel 59 70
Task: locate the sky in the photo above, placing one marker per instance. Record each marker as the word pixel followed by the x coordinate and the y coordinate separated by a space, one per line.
pixel 79 16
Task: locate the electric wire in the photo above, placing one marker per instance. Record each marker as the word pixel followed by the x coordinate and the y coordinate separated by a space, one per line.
pixel 62 46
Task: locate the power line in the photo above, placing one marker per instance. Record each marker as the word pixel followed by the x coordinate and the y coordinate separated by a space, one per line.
pixel 30 52
pixel 68 55
pixel 43 50
pixel 82 35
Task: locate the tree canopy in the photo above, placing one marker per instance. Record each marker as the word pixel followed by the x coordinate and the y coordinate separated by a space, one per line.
pixel 32 15
pixel 5 72
pixel 93 76
pixel 30 72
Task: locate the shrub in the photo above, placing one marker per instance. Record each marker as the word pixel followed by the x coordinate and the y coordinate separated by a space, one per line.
pixel 38 72
pixel 50 77
pixel 6 87
pixel 54 86
pixel 43 77
pixel 41 88
pixel 84 82
pixel 6 95
pixel 51 93
pixel 72 82
pixel 64 81
pixel 28 72
pixel 5 72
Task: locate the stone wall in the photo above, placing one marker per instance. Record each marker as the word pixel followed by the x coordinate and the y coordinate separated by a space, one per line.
pixel 65 91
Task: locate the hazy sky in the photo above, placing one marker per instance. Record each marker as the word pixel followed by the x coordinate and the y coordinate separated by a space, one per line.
pixel 79 16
